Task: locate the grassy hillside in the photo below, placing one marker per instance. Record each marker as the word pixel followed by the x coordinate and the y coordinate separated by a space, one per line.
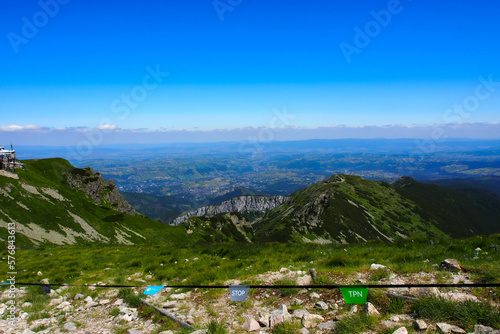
pixel 347 208
pixel 46 209
pixel 209 264
pixel 457 213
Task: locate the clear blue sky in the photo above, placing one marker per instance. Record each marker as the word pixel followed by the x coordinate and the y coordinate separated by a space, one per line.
pixel 234 63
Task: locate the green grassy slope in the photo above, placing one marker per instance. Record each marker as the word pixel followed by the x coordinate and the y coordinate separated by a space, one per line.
pixel 46 209
pixel 346 208
pixel 457 213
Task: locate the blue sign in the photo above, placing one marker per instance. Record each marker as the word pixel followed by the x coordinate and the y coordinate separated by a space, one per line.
pixel 151 290
pixel 238 293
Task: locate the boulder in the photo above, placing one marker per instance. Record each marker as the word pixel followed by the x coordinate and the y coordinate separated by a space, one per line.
pixel 419 325
pixel 329 325
pixel 375 266
pixel 311 320
pixel 450 265
pixel 279 316
pixel 56 301
pixel 389 324
pixel 169 304
pixel 179 296
pixel 299 313
pixel 480 329
pixel 63 305
pixel 314 295
pixel 264 320
pixel 321 305
pixel 70 326
pixel 78 296
pixel 251 325
pixel 370 309
pixel 134 331
pixel 400 330
pixel 446 328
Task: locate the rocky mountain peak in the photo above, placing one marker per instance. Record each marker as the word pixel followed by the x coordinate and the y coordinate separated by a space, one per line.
pixel 100 190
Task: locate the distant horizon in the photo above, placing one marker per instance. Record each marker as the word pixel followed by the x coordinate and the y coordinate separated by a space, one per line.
pixel 88 137
pixel 111 72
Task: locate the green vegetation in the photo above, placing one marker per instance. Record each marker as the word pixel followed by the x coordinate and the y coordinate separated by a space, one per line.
pixel 356 323
pixel 48 209
pixel 215 327
pixel 348 208
pixel 214 264
pixel 291 327
pixel 464 314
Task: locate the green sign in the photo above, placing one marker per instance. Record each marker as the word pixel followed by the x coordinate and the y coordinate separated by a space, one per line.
pixel 354 294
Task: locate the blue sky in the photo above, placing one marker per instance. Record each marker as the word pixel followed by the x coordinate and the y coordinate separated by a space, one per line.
pixel 125 69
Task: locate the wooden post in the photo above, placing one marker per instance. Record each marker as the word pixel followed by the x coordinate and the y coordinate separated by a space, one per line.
pixel 168 315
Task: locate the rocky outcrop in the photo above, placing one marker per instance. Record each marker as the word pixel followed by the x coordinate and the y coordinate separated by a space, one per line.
pixel 236 204
pixel 100 190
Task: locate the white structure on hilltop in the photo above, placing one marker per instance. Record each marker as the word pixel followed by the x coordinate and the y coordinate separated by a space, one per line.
pixel 8 159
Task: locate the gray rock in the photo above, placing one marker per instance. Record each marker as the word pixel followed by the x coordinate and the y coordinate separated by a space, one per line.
pixel 446 328
pixel 26 304
pixel 91 304
pixel 401 317
pixel 400 330
pixel 169 304
pixel 88 299
pixel 480 329
pixel 425 292
pixel 375 266
pixel 100 190
pixel 321 305
pixel 166 332
pixel 370 309
pixel 64 306
pixel 419 325
pixel 251 325
pixel 134 331
pixel 78 296
pixel 327 325
pixel 450 265
pixel 236 204
pixel 304 330
pixel 314 295
pixel 389 324
pixel 311 320
pixel 299 313
pixel 56 301
pixel 179 296
pixel 264 320
pixel 70 326
pixel 279 316
pixel 200 331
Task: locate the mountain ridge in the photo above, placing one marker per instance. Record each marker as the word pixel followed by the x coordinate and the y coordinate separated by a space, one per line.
pixel 347 208
pixel 249 203
pixel 53 202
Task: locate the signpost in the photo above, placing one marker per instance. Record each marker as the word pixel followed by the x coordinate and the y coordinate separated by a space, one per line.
pixel 238 293
pixel 354 294
pixel 151 290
